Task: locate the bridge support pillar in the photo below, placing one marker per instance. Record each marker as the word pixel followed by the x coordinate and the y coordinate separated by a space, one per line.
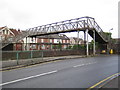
pixel 94 51
pixel 85 41
pixel 26 44
pixel 78 37
pixel 87 50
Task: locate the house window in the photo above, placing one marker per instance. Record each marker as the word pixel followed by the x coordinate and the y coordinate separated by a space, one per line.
pixel 0 38
pixel 56 41
pixel 67 41
pixel 33 46
pixel 50 40
pixel 60 40
pixel 42 40
pixel 65 46
pixel 6 31
pixel 43 47
pixel 3 31
pixel 63 41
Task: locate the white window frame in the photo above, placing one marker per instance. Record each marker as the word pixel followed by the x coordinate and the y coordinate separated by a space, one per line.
pixel 42 40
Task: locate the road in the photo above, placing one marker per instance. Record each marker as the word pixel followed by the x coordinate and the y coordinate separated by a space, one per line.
pixel 70 73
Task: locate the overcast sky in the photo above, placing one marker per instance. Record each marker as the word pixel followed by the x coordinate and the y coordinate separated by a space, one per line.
pixel 26 14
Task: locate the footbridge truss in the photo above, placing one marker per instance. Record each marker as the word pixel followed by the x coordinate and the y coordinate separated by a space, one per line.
pixel 72 25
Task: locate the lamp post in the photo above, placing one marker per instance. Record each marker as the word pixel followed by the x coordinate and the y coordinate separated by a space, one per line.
pixel 109 34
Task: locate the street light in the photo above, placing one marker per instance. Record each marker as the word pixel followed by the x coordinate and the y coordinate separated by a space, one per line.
pixel 109 33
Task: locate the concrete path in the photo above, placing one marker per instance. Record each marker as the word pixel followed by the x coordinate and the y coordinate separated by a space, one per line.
pixel 114 83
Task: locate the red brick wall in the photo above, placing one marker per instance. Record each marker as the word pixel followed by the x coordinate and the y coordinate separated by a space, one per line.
pixel 18 46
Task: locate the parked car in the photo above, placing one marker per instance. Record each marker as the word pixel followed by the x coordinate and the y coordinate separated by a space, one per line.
pixel 103 52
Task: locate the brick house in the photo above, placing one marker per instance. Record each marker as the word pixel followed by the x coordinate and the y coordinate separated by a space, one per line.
pixel 53 41
pixel 75 41
pixel 30 43
pixel 47 42
pixel 7 33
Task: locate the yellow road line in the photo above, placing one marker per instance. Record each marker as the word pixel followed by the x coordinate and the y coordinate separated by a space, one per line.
pixel 103 81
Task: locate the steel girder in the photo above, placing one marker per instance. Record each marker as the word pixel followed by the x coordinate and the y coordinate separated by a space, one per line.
pixel 71 25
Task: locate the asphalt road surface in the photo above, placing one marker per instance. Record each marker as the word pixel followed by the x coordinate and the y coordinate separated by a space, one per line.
pixel 72 73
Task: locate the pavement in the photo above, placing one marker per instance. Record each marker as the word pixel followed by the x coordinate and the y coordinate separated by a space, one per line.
pixel 111 82
pixel 69 73
pixel 12 64
pixel 114 83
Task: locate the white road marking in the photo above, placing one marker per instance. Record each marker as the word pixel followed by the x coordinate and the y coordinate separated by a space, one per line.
pixel 87 64
pixel 83 64
pixel 28 77
pixel 78 65
pixel 93 63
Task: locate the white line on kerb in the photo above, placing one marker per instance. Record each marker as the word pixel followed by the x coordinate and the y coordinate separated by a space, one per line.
pixel 28 78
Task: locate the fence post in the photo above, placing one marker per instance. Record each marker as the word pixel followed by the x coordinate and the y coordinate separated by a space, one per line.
pixel 31 55
pixel 17 56
pixel 42 55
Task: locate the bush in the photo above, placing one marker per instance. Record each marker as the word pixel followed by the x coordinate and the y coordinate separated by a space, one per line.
pixel 78 47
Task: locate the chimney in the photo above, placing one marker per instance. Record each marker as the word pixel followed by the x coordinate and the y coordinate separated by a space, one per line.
pixel 18 30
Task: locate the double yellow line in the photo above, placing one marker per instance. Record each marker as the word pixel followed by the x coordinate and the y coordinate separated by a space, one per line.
pixel 104 80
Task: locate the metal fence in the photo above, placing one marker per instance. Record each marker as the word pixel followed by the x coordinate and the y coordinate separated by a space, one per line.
pixel 15 55
pixel 18 55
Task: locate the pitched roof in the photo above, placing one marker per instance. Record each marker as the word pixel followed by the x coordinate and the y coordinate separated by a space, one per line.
pixel 63 36
pixel 2 27
pixel 76 39
pixel 15 32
